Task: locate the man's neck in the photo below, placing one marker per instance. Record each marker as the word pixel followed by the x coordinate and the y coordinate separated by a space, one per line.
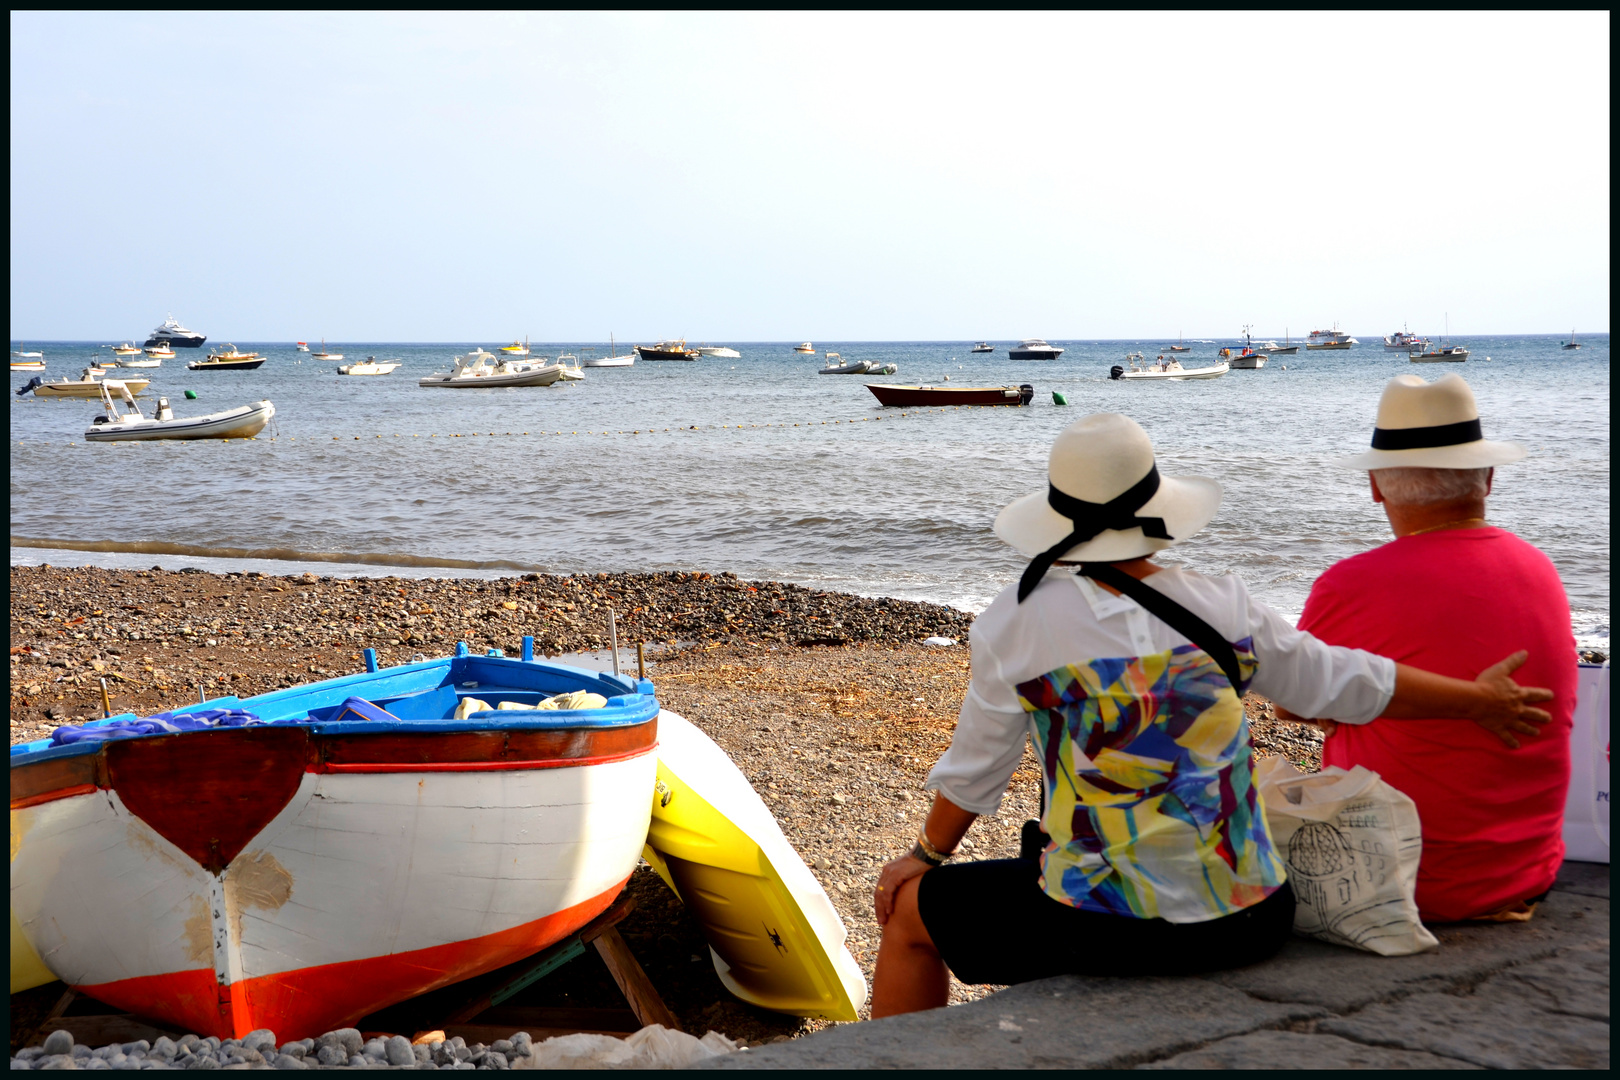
pixel 1440 517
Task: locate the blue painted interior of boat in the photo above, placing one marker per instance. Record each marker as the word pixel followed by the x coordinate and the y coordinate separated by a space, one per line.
pixel 422 696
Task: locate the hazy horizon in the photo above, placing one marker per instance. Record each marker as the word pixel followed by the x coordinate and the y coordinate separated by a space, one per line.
pixel 832 176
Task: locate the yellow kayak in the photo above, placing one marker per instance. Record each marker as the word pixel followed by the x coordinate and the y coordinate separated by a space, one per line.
pixel 774 936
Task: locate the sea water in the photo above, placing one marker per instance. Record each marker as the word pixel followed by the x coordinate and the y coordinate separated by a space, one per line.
pixel 762 467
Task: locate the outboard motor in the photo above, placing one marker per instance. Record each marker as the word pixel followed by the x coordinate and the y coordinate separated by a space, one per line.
pixel 1026 394
pixel 163 410
pixel 35 381
pixel 1116 372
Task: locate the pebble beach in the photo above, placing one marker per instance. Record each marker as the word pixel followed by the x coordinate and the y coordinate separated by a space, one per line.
pixel 830 703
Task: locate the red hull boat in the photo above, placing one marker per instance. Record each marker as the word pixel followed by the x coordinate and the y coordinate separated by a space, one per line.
pixel 889 394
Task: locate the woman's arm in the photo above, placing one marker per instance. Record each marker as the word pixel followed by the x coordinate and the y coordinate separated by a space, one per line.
pixel 1493 700
pixel 946 825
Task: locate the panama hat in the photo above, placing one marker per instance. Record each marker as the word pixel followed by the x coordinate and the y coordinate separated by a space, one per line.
pixel 1431 426
pixel 1105 500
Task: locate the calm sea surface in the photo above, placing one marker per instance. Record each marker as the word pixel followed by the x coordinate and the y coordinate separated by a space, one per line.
pixel 646 468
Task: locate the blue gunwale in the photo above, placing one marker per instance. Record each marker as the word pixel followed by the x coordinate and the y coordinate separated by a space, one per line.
pixel 488 678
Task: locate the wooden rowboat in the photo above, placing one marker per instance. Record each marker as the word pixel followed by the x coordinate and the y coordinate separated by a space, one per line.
pixel 889 394
pixel 301 873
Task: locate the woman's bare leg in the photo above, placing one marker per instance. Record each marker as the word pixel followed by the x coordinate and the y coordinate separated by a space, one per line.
pixel 910 975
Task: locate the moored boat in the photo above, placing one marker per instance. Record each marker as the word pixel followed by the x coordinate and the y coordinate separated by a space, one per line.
pixel 806 348
pixel 719 352
pixel 984 346
pixel 301 346
pixel 481 370
pixel 324 355
pixel 1329 339
pixel 126 349
pixel 27 365
pixel 370 366
pixel 297 860
pixel 1444 354
pixel 230 359
pixel 1571 343
pixel 667 350
pixel 611 360
pixel 890 394
pixel 85 386
pixel 1167 370
pixel 1405 340
pixel 836 365
pixel 143 362
pixel 134 426
pixel 517 348
pixel 172 334
pixel 1034 349
pixel 159 352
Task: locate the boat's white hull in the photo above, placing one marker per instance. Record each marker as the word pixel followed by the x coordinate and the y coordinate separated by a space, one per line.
pixel 82 389
pixel 719 352
pixel 366 369
pixel 1458 357
pixel 1214 372
pixel 544 376
pixel 610 361
pixel 28 365
pixel 401 879
pixel 158 362
pixel 1330 345
pixel 1248 363
pixel 242 423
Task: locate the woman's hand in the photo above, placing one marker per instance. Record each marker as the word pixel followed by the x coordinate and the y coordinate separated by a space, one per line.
pixel 1505 706
pixel 894 874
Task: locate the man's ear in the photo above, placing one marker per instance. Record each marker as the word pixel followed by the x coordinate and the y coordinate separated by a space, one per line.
pixel 1378 496
pixel 1490 478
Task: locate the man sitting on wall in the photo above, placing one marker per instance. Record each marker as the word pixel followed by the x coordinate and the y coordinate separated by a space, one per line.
pixel 1452 593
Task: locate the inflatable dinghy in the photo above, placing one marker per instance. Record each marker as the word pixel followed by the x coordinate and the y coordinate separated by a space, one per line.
pixel 775 938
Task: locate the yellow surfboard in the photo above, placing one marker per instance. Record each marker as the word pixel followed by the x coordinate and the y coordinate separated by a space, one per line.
pixel 776 940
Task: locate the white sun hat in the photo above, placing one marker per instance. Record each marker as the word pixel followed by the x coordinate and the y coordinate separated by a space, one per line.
pixel 1105 500
pixel 1431 426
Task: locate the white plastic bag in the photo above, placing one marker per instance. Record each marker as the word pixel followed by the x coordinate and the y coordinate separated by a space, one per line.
pixel 1352 844
pixel 653 1047
pixel 1586 814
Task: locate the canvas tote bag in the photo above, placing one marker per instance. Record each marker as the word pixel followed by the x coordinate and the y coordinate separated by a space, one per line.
pixel 1352 844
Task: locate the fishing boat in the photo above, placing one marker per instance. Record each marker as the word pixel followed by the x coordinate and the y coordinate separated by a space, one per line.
pixel 85 386
pixel 126 349
pixel 805 348
pixel 774 937
pixel 297 860
pixel 1167 370
pixel 1250 357
pixel 370 366
pixel 301 346
pixel 1287 348
pixel 1329 339
pixel 836 365
pixel 134 426
pixel 324 355
pixel 1405 340
pixel 1442 353
pixel 667 350
pixel 1571 343
pixel 231 359
pixel 984 346
pixel 611 360
pixel 482 370
pixel 159 352
pixel 1179 346
pixel 172 334
pixel 719 352
pixel 517 348
pixel 890 394
pixel 1034 349
pixel 27 365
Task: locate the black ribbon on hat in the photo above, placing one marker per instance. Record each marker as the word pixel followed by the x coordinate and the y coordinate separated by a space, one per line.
pixel 1422 438
pixel 1092 518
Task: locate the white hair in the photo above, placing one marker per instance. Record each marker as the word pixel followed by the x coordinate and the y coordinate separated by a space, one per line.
pixel 1431 487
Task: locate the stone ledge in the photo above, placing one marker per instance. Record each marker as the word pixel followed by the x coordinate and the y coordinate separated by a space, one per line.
pixel 1299 1050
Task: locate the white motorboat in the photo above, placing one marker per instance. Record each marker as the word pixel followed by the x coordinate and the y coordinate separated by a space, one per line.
pixel 1034 349
pixel 171 333
pixel 1405 340
pixel 28 365
pixel 126 349
pixel 855 367
pixel 301 346
pixel 611 360
pixel 1329 339
pixel 805 348
pixel 370 366
pixel 1170 370
pixel 133 426
pixel 159 352
pixel 481 369
pixel 86 386
pixel 517 348
pixel 145 362
pixel 984 346
pixel 720 351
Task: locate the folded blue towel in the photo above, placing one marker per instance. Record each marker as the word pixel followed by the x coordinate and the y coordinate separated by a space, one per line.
pixel 155 724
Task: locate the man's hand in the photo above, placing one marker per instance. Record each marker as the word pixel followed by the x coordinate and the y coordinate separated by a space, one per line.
pixel 1505 706
pixel 893 875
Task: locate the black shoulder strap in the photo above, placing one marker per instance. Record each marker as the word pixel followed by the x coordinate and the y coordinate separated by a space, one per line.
pixel 1178 618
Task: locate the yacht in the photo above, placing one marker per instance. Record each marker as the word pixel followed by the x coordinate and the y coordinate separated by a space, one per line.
pixel 174 335
pixel 1405 340
pixel 984 346
pixel 1034 349
pixel 1330 339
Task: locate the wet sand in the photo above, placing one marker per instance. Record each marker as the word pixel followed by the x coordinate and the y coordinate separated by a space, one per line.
pixel 829 703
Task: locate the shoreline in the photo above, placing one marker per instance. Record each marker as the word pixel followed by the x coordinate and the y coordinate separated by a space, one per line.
pixel 834 710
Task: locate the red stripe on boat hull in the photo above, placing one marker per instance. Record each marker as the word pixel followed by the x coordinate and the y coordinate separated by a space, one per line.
pixel 311 1001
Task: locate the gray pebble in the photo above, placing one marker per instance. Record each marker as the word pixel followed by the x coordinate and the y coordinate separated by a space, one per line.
pixel 58 1061
pixel 165 1046
pixel 331 1055
pixel 95 1063
pixel 421 1052
pixel 21 1063
pixel 30 1053
pixel 357 1062
pixel 202 1061
pixel 80 1050
pixel 522 1043
pixel 501 1046
pixel 287 1061
pixel 125 1063
pixel 139 1044
pixel 261 1039
pixel 57 1042
pixel 296 1049
pixel 398 1051
pixel 497 1061
pixel 189 1040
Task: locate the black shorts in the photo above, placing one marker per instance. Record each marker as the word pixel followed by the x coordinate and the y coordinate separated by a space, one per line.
pixel 993 923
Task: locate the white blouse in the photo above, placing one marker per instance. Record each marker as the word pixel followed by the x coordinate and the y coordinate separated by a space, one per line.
pixel 1069 619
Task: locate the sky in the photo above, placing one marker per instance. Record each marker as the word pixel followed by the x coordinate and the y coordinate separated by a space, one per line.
pixel 447 177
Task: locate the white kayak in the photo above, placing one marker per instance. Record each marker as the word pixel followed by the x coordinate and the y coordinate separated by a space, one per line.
pixel 774 936
pixel 132 426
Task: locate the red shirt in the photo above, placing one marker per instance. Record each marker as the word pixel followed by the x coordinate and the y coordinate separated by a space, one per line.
pixel 1454 602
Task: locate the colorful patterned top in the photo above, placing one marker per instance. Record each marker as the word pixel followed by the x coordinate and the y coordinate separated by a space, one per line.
pixel 1143 742
pixel 1151 801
